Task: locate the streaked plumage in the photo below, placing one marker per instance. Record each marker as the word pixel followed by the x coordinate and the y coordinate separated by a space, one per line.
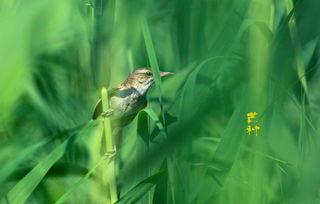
pixel 126 100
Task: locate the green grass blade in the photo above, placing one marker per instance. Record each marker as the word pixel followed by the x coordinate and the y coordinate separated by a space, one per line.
pixel 154 117
pixel 23 189
pixel 143 143
pixel 138 191
pixel 152 56
pixel 229 146
pixel 26 154
pixel 64 197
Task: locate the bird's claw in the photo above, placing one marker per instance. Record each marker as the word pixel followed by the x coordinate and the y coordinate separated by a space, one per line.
pixel 111 154
pixel 107 113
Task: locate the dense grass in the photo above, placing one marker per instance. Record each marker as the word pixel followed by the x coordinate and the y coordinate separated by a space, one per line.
pixel 190 145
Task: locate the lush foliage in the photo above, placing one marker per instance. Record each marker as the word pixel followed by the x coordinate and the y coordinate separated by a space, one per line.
pixel 190 145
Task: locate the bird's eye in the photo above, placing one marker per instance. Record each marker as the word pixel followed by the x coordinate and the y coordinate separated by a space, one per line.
pixel 149 73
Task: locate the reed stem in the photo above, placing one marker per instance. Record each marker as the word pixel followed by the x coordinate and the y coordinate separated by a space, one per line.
pixel 110 149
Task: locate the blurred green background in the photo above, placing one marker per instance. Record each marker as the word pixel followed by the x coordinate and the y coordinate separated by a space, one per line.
pixel 230 57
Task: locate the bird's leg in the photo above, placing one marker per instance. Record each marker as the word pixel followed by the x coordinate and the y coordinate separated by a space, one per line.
pixel 107 113
pixel 112 153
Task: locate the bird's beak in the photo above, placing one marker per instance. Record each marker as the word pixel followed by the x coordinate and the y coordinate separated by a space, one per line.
pixel 162 74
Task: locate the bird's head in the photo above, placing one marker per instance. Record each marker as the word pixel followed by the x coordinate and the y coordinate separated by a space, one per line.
pixel 143 78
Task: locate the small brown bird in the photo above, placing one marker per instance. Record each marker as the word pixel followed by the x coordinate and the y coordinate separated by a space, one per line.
pixel 127 99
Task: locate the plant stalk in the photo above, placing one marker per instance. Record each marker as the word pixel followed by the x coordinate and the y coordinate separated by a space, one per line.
pixel 110 149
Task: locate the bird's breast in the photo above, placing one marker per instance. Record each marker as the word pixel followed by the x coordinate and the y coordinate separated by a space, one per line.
pixel 124 105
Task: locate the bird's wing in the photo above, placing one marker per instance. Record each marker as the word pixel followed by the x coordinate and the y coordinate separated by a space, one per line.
pixel 98 107
pixel 113 91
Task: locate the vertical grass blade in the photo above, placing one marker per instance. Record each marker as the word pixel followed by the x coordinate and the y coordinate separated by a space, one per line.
pixel 296 45
pixel 143 144
pixel 231 140
pixel 301 71
pixel 152 56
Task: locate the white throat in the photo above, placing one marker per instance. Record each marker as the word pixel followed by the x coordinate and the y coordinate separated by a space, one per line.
pixel 142 89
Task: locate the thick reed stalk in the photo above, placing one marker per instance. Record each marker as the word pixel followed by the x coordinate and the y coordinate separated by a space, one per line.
pixel 110 148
